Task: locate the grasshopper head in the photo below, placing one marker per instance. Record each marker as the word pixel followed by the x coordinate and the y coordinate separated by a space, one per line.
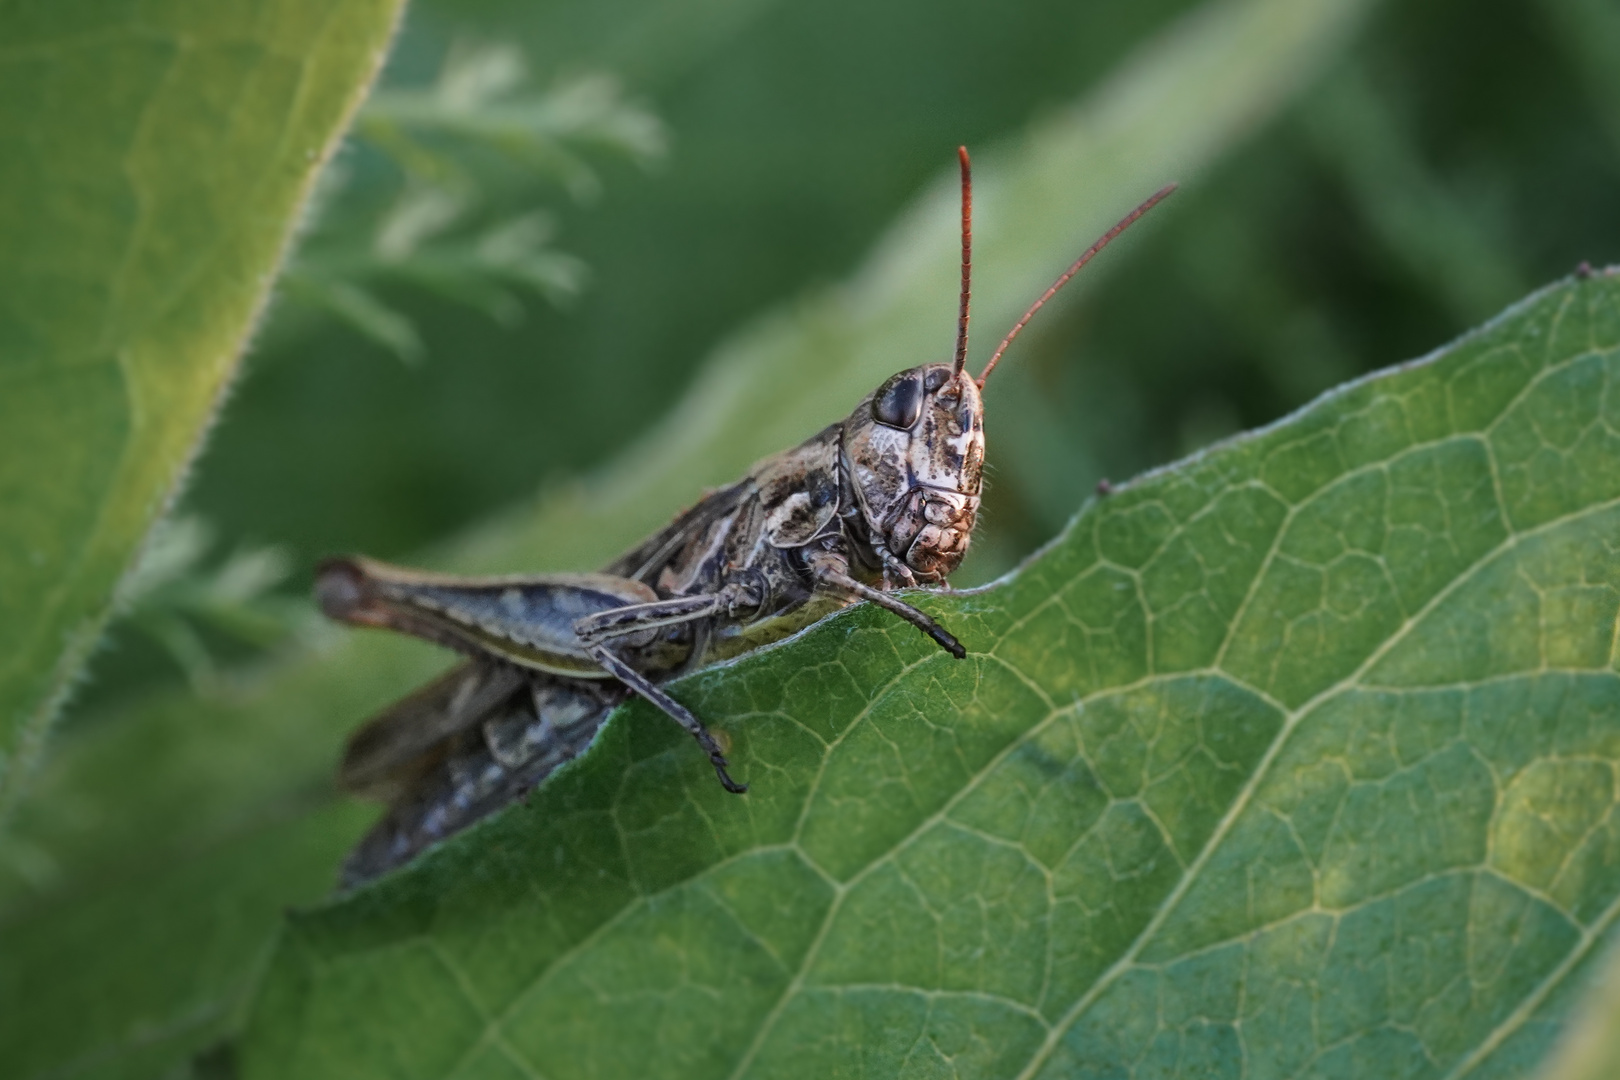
pixel 914 452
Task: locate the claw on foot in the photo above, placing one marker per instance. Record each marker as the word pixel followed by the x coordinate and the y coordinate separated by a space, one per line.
pixel 720 763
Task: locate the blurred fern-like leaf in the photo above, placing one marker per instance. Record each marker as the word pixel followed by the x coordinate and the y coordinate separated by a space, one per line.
pixel 466 163
pixel 181 599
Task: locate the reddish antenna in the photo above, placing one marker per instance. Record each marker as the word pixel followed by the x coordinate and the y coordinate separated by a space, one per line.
pixel 967 257
pixel 1126 222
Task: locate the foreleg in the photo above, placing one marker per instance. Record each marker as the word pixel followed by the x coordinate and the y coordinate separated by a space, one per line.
pixel 832 570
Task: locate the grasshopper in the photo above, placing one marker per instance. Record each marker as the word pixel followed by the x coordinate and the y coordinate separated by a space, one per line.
pixel 883 500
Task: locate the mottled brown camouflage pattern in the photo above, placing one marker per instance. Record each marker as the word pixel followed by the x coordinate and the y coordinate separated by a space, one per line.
pixel 863 505
pixel 886 499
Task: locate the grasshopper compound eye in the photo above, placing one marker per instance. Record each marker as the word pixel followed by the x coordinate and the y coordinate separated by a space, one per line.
pixel 899 404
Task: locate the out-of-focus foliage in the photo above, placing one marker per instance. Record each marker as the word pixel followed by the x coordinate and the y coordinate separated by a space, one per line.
pixel 152 166
pixel 178 597
pixel 1461 154
pixel 1449 154
pixel 470 153
pixel 797 132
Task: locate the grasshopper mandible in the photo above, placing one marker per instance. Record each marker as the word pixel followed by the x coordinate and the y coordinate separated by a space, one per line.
pixel 882 500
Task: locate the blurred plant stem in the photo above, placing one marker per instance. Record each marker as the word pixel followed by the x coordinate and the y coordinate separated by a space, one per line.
pixel 1588 31
pixel 1448 243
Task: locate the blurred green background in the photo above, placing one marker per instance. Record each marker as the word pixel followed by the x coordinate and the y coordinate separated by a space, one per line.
pixel 712 160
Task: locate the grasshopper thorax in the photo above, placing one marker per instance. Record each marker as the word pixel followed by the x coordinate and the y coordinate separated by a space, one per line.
pixel 913 452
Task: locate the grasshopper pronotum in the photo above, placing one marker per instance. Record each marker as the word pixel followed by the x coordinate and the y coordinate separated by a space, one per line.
pixel 884 499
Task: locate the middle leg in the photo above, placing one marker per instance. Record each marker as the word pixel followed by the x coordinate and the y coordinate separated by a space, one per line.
pixel 635 680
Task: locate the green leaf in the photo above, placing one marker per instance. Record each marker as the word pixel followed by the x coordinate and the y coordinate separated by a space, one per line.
pixel 153 160
pixel 1297 758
